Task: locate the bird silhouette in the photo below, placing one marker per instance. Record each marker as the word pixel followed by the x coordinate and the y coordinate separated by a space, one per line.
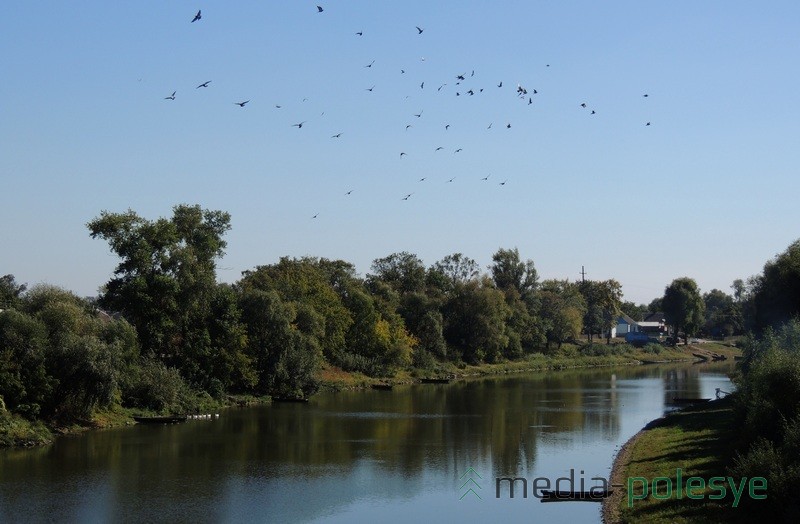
pixel 490 126
pixel 196 17
pixel 370 64
pixel 418 115
pixel 450 180
pixel 170 97
pixel 471 92
pixel 645 95
pixel 459 77
pixel 241 104
pixel 583 104
pixel 458 150
pixel 402 71
pixel 508 126
pixel 407 196
pixel 503 182
pixel 401 155
pixel 409 125
pixel 319 9
pixel 647 124
pixel 360 33
pixel 500 84
pixel 300 125
pixel 446 127
pixel 486 177
pixel 422 179
pixel 204 84
pixel 420 30
pixel 349 192
pixel 592 113
pixel 422 85
pixel 315 216
pixel 530 100
pixel 370 89
pixel 441 86
pixel 337 135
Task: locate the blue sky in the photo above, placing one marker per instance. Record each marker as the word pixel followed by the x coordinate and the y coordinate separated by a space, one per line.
pixel 708 190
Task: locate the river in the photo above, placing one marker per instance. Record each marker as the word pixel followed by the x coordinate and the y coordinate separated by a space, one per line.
pixel 420 453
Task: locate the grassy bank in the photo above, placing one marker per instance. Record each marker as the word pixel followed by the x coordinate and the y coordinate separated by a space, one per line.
pixel 697 440
pixel 569 356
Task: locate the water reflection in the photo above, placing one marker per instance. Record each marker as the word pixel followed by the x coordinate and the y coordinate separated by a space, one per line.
pixel 353 456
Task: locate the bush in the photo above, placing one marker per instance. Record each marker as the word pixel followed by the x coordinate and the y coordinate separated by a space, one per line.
pixel 653 349
pixel 157 388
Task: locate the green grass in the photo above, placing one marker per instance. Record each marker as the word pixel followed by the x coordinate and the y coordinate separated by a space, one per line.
pixel 17 431
pixel 700 441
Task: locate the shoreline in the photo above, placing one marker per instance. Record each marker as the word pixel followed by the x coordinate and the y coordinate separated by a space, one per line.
pixel 334 379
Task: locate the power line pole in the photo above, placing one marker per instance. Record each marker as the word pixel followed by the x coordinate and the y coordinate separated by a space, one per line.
pixel 583 275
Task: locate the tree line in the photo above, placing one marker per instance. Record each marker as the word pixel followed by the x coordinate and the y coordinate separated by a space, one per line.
pixel 165 335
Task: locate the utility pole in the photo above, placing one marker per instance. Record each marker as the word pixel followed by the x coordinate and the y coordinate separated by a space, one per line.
pixel 583 275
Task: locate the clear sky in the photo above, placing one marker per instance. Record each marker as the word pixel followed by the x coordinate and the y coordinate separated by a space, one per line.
pixel 708 190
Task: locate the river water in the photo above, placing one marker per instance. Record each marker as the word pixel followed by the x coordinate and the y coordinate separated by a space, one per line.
pixel 420 453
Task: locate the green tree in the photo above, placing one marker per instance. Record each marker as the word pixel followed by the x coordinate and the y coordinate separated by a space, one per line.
pixel 683 307
pixel 602 300
pixel 457 269
pixel 776 296
pixel 10 292
pixel 404 272
pixel 562 309
pixel 284 342
pixel 722 316
pixel 509 271
pixel 636 312
pixel 25 385
pixel 306 281
pixel 475 321
pixel 166 278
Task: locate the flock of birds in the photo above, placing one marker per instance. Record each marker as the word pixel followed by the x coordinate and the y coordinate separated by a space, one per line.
pixel 460 83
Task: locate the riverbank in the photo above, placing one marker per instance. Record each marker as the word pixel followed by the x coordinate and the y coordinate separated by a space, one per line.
pixel 16 431
pixel 570 356
pixel 698 441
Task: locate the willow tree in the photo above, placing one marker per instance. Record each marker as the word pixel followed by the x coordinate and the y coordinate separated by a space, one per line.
pixel 683 307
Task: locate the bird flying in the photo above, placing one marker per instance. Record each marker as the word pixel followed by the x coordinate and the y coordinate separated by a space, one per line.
pixel 196 17
pixel 241 104
pixel 204 84
pixel 170 97
pixel 300 125
pixel 319 9
pixel 420 30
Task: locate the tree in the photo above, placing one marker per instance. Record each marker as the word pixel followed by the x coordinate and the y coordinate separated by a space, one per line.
pixel 305 281
pixel 721 314
pixel 509 271
pixel 474 321
pixel 404 272
pixel 283 341
pixel 457 268
pixel 602 300
pixel 562 310
pixel 636 312
pixel 776 297
pixel 683 307
pixel 10 292
pixel 167 274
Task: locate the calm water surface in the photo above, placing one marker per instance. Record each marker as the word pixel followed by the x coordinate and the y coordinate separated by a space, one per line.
pixel 360 456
